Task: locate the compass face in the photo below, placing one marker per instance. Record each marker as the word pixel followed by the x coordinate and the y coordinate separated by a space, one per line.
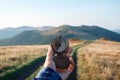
pixel 59 45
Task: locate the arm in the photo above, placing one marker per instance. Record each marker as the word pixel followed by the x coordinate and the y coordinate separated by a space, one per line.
pixel 50 72
pixel 47 74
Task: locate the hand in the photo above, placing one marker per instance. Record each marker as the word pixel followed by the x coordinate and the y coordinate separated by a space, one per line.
pixel 64 73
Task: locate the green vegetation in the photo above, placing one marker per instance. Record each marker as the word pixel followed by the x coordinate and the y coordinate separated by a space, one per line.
pixel 43 37
pixel 16 73
pixel 97 62
pixel 22 62
pixel 75 45
pixel 94 60
pixel 73 75
pixel 34 73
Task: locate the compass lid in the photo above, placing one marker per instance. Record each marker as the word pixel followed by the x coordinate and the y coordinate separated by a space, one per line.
pixel 59 44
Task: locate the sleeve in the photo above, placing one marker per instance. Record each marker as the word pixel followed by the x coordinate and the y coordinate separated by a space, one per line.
pixel 47 74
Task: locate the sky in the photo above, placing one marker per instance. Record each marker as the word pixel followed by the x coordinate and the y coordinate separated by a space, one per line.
pixel 37 13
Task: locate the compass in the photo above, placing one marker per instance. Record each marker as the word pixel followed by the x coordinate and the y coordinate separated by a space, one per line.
pixel 60 48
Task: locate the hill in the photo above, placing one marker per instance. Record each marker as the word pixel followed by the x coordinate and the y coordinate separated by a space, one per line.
pixel 10 32
pixel 100 62
pixel 44 37
pixel 117 30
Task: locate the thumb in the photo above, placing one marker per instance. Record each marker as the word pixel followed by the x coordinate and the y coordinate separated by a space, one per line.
pixel 49 53
pixel 69 51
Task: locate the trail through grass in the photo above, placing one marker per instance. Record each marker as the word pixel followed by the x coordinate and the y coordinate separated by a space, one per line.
pixel 99 61
pixel 73 75
pixel 87 65
pixel 30 69
pixel 18 62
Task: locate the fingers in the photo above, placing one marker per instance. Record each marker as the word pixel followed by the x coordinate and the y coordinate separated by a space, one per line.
pixel 48 61
pixel 69 51
pixel 49 53
pixel 66 72
pixel 71 65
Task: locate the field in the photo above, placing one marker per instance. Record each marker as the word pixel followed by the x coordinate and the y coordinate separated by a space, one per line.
pixel 99 60
pixel 15 60
pixel 94 60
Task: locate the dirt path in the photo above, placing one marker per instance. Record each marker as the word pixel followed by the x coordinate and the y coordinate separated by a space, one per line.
pixel 37 63
pixel 40 61
pixel 73 75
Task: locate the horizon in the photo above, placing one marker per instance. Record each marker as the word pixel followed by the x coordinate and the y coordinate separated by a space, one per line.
pixel 104 13
pixel 58 26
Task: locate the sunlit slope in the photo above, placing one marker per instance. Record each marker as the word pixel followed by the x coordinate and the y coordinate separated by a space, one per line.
pixel 44 37
pixel 99 60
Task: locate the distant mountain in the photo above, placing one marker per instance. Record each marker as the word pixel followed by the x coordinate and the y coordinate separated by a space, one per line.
pixel 44 37
pixel 117 30
pixel 10 32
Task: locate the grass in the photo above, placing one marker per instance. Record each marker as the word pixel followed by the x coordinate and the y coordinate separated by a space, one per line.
pixel 94 60
pixel 34 73
pixel 16 60
pixel 72 44
pixel 99 61
pixel 73 75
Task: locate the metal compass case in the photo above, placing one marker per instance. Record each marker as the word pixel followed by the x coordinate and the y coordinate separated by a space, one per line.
pixel 60 47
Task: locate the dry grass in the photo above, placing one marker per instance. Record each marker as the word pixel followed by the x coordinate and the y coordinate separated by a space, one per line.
pixel 12 57
pixel 99 61
pixel 74 42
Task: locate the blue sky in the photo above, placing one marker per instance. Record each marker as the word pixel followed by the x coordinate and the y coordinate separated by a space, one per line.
pixel 104 13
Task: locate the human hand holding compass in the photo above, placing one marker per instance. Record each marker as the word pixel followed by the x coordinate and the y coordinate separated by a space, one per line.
pixel 49 62
pixel 58 60
pixel 60 48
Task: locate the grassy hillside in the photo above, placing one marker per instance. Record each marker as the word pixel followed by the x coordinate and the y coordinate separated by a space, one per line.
pixel 23 62
pixel 44 37
pixel 11 32
pixel 117 30
pixel 73 43
pixel 99 61
pixel 27 38
pixel 17 60
pixel 94 60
